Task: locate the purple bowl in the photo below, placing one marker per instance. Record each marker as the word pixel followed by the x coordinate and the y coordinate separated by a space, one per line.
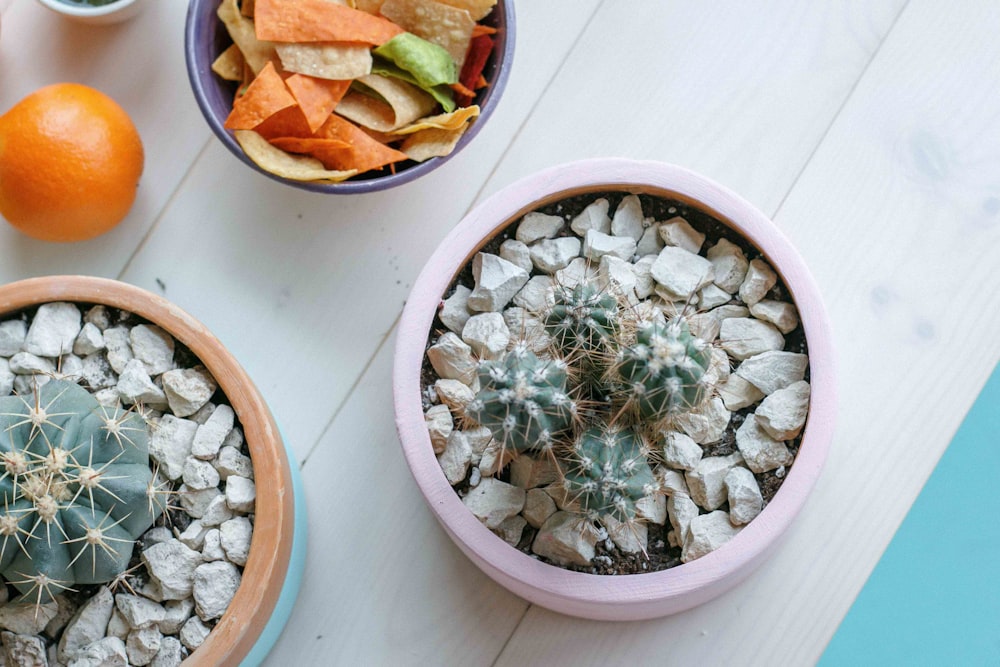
pixel 205 38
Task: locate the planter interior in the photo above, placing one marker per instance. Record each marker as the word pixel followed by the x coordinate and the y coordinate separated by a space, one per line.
pixel 613 597
pixel 270 567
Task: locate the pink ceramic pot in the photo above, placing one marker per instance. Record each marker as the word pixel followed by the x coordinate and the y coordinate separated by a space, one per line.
pixel 605 597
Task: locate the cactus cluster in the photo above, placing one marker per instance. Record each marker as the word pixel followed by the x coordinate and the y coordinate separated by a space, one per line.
pixel 75 486
pixel 605 388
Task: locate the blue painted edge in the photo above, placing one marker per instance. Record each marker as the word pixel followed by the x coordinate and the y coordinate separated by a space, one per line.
pixel 934 596
pixel 293 579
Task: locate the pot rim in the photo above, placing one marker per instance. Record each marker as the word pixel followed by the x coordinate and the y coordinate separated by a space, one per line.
pixel 268 563
pixel 617 597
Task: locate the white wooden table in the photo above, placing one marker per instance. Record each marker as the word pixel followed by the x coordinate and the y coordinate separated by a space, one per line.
pixel 869 130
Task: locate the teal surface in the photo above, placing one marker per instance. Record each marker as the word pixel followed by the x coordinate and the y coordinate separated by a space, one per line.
pixel 293 580
pixel 934 597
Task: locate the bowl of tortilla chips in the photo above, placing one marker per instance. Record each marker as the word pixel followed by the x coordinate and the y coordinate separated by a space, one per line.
pixel 348 96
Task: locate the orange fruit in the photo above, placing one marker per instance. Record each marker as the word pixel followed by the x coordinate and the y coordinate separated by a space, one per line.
pixel 70 162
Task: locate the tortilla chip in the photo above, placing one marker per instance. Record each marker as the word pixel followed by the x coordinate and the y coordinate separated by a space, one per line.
pixel 369 6
pixel 319 21
pixel 368 153
pixel 445 121
pixel 316 97
pixel 241 30
pixel 398 104
pixel 246 8
pixel 426 144
pixel 266 96
pixel 446 26
pixel 478 9
pixel 326 61
pixel 330 152
pixel 229 64
pixel 280 163
pixel 290 122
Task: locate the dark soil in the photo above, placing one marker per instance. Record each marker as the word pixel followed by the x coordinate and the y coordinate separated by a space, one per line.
pixel 660 555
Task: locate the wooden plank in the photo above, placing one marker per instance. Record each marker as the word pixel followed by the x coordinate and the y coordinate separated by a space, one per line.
pixel 324 277
pixel 140 64
pixel 898 213
pixel 383 583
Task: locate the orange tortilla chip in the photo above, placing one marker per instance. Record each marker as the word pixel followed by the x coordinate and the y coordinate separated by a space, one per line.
pixel 290 122
pixel 278 162
pixel 368 153
pixel 246 8
pixel 330 152
pixel 316 97
pixel 266 96
pixel 319 21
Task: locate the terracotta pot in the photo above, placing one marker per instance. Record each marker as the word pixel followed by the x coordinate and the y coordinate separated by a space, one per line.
pixel 618 597
pixel 271 577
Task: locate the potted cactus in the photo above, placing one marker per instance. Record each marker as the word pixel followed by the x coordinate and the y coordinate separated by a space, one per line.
pixel 165 513
pixel 613 376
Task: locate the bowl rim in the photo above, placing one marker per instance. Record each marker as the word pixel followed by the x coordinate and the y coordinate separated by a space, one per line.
pixel 87 12
pixel 612 597
pixel 269 562
pixel 198 58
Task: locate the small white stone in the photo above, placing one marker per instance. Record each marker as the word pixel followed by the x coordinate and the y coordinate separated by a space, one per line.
pixel 193 537
pixel 25 385
pixel 12 334
pixel 96 372
pixel 157 535
pixel 678 232
pixel 680 272
pixel 783 413
pixel 566 540
pixel 529 472
pixel 171 654
pixel 628 220
pixel 235 538
pixel 454 312
pixel 68 368
pixel 89 340
pixel 188 389
pixel 196 503
pixel 771 371
pixel 707 533
pixel 711 296
pixel 6 378
pixel 200 474
pixel 135 386
pixel 706 423
pixel 171 564
pixel 744 337
pixel 526 327
pixel 597 244
pixel 707 325
pixel 745 501
pixel 212 550
pixel 576 272
pixel 493 501
pixel 203 413
pixel 617 276
pixel 631 537
pixel 706 481
pixel 537 226
pixel 729 263
pixel 650 242
pixel 782 315
pixel 538 506
pixel 551 255
pixel 53 329
pixel 680 451
pixel 209 437
pixel 25 617
pixel 475 477
pixel 439 425
pixel 456 457
pixel 456 395
pixel 487 335
pixel 491 463
pixel 681 510
pixel 234 439
pixel 241 494
pixel 644 283
pixel 564 500
pixel 170 444
pixel 152 346
pixel 118 626
pixel 652 508
pixel 497 281
pixel 232 461
pixel 26 363
pixel 759 280
pixel 595 216
pixel 106 652
pixel 138 611
pixel 193 633
pixel 88 624
pixel 511 529
pixel 760 450
pixel 215 585
pixel 536 295
pixel 98 316
pixel 718 368
pixel 516 253
pixel 142 646
pixel 177 613
pixel 736 393
pixel 117 345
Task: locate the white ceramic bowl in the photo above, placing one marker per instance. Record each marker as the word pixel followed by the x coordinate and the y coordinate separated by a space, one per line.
pixel 105 14
pixel 612 597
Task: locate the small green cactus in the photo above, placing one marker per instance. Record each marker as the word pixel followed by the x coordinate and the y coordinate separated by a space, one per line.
pixel 76 489
pixel 664 371
pixel 523 400
pixel 583 318
pixel 608 473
